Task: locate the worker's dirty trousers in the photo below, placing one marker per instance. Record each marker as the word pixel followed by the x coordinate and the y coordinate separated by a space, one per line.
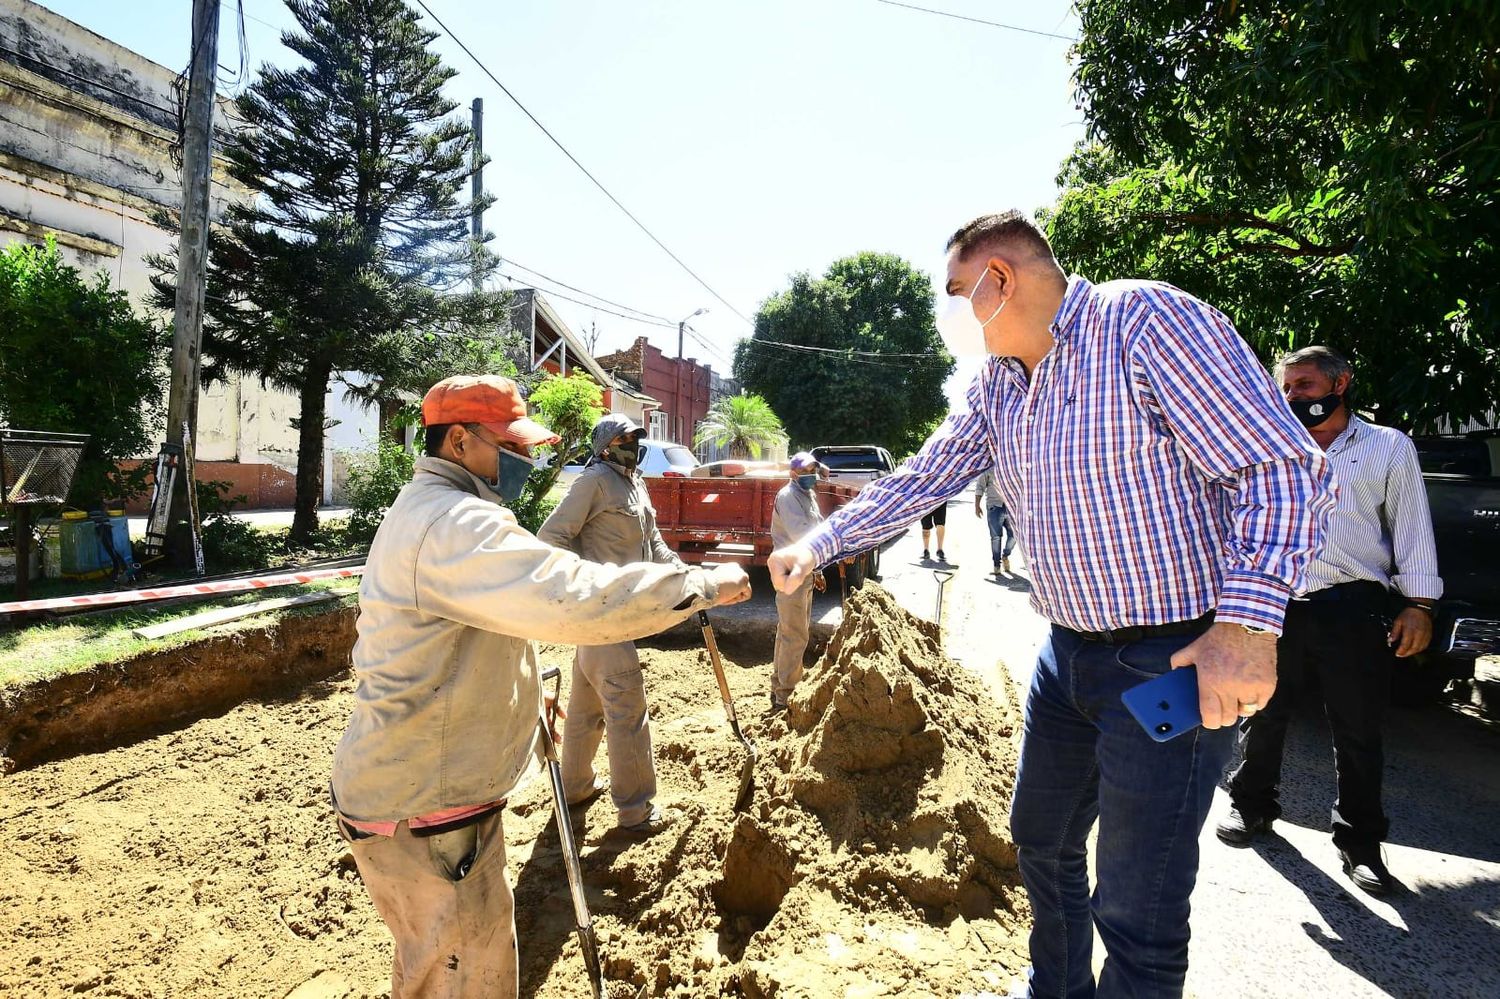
pixel 793 622
pixel 608 698
pixel 447 902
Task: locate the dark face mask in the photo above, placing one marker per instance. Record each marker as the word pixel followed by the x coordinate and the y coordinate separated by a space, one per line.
pixel 1314 412
pixel 511 473
pixel 627 455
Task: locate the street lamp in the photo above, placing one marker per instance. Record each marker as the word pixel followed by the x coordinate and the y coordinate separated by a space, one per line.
pixel 683 325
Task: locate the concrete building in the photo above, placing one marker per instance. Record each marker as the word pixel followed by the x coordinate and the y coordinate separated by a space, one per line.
pixel 88 133
pixel 682 385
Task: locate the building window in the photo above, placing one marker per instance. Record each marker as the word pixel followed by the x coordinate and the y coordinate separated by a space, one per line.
pixel 658 424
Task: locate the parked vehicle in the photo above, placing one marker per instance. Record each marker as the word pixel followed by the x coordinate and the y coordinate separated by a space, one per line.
pixel 728 518
pixel 658 458
pixel 1462 475
pixel 855 464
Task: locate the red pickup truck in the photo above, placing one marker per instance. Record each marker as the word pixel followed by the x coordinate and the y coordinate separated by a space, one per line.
pixel 728 518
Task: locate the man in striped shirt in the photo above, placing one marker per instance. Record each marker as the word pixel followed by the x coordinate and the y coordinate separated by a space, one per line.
pixel 1168 502
pixel 1337 634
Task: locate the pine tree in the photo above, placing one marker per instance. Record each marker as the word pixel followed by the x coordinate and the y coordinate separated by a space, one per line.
pixel 351 253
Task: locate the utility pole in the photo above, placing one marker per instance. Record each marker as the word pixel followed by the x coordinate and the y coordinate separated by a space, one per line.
pixel 179 506
pixel 476 185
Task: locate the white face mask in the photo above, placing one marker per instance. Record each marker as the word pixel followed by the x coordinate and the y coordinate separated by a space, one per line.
pixel 961 330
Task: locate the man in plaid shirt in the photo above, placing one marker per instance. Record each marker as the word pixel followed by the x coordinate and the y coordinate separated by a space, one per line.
pixel 1168 502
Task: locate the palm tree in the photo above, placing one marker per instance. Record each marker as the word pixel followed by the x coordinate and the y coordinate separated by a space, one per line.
pixel 743 423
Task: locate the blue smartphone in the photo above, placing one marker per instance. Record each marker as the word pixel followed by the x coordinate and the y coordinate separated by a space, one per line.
pixel 1167 706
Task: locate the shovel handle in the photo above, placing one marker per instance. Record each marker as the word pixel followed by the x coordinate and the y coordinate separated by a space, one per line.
pixel 713 656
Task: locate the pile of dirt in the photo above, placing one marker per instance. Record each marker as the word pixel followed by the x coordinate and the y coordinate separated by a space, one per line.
pixel 872 861
pixel 875 857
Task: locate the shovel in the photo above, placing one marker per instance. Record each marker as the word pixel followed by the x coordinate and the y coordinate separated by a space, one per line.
pixel 942 576
pixel 582 921
pixel 747 772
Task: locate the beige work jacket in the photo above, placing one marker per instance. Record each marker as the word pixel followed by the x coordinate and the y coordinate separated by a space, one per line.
pixel 454 591
pixel 607 516
pixel 795 515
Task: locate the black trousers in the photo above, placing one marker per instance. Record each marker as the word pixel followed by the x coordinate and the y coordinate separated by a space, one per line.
pixel 1337 643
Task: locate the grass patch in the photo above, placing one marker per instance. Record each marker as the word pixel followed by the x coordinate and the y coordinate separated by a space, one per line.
pixel 46 651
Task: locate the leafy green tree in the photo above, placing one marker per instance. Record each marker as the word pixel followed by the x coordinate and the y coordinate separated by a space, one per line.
pixel 852 357
pixel 347 258
pixel 569 407
pixel 75 358
pixel 1321 172
pixel 745 424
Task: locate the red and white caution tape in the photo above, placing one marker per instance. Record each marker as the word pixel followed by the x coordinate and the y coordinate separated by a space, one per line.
pixel 186 590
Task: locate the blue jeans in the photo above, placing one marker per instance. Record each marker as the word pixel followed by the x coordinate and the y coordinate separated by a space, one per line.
pixel 1084 757
pixel 1002 532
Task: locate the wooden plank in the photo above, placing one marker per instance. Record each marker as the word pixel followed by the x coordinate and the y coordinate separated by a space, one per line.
pixel 224 614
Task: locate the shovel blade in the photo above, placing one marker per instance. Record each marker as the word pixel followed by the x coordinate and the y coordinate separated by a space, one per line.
pixel 747 776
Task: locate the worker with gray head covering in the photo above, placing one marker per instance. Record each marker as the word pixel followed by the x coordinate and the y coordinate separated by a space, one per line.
pixel 794 516
pixel 607 517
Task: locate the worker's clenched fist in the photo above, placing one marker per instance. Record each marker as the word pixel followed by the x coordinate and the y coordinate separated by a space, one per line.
pixel 790 567
pixel 734 585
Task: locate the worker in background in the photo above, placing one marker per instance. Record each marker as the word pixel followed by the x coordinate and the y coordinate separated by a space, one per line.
pixel 795 515
pixel 607 517
pixel 1002 528
pixel 1338 639
pixel 447 710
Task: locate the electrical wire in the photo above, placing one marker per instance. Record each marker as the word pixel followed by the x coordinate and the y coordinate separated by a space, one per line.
pixel 563 284
pixel 90 81
pixel 976 20
pixel 574 160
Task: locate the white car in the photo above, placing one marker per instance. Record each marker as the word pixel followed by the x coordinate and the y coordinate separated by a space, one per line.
pixel 658 458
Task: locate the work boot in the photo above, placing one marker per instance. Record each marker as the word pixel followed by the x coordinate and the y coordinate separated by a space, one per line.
pixel 1005 565
pixel 999 568
pixel 777 706
pixel 1238 829
pixel 1367 870
pixel 650 825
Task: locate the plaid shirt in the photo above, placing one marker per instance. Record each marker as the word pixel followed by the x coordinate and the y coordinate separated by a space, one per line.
pixel 1152 469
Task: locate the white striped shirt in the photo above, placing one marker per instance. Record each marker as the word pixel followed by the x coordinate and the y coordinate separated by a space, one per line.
pixel 1149 464
pixel 1381 530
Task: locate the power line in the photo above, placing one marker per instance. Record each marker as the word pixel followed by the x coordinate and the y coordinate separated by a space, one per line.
pixel 563 284
pixel 596 182
pixel 839 355
pixel 836 350
pixel 578 301
pixel 90 81
pixel 976 20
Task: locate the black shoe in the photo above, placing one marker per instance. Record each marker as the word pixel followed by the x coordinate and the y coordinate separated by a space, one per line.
pixel 777 706
pixel 941 556
pixel 1237 828
pixel 926 556
pixel 1367 870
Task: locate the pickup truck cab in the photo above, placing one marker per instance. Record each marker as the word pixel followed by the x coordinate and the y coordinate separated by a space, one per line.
pixel 855 464
pixel 1462 476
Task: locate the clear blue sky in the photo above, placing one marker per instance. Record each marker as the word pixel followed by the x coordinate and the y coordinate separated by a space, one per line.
pixel 756 139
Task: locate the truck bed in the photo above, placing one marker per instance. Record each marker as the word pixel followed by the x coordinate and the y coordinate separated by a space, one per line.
pixel 726 519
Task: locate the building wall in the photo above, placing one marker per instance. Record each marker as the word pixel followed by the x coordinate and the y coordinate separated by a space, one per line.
pixel 87 133
pixel 680 385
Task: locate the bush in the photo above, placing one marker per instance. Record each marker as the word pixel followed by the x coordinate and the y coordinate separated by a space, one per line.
pixel 374 480
pixel 75 358
pixel 228 542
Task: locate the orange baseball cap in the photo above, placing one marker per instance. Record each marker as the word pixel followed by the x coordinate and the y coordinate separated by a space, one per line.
pixel 493 402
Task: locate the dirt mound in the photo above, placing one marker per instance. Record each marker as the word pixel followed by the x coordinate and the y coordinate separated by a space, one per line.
pixel 873 860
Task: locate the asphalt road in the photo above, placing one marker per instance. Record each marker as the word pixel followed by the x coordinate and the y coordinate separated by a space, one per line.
pixel 1280 918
